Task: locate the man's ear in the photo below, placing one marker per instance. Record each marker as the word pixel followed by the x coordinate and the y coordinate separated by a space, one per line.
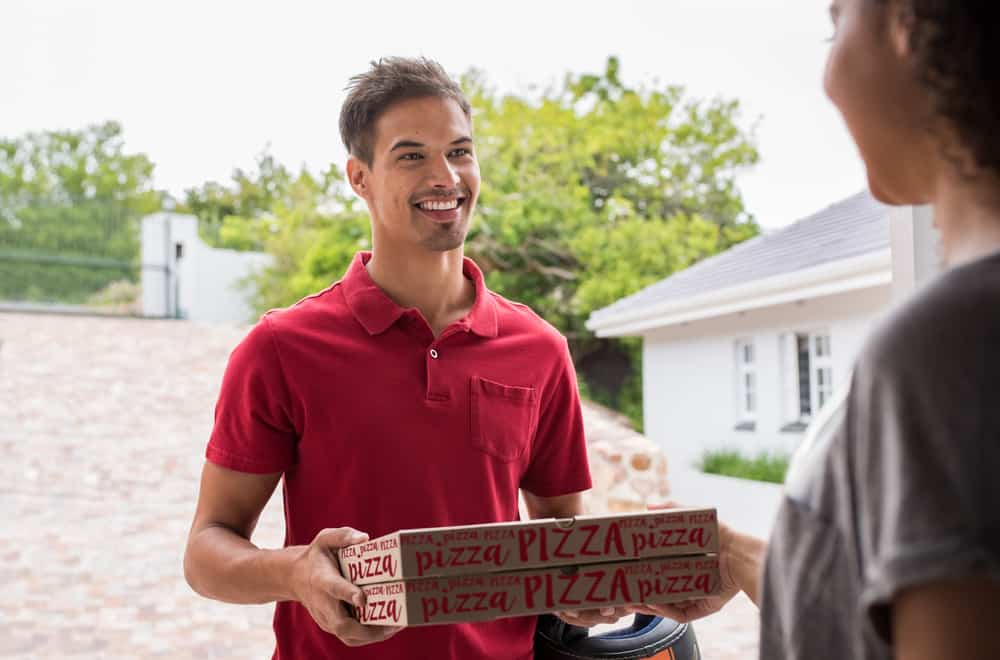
pixel 358 175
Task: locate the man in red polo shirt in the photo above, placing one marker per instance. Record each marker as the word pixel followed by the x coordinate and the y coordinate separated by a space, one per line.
pixel 405 395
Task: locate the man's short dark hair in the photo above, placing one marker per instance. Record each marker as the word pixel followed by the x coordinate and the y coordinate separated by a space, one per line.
pixel 388 81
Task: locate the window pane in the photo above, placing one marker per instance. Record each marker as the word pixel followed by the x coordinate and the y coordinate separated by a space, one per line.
pixel 824 389
pixel 805 386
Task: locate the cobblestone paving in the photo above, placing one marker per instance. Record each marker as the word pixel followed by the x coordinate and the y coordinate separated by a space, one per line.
pixel 102 430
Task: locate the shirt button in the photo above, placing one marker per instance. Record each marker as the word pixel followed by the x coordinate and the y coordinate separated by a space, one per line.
pixel 434 354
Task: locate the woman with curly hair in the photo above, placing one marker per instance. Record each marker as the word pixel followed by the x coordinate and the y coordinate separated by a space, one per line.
pixel 887 542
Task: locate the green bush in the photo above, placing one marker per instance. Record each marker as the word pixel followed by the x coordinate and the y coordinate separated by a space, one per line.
pixel 765 466
pixel 118 297
pixel 48 282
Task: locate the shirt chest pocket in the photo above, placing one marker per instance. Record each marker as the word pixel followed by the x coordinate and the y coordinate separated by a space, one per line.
pixel 503 418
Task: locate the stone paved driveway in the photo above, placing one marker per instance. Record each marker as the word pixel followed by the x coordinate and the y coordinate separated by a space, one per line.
pixel 102 429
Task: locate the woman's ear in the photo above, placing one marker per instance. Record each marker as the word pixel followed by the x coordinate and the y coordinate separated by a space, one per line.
pixel 900 22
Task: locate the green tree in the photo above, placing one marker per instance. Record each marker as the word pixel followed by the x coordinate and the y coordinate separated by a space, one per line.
pixel 250 195
pixel 596 190
pixel 313 235
pixel 69 198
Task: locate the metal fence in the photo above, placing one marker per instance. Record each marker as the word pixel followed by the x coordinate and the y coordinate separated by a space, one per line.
pixel 82 257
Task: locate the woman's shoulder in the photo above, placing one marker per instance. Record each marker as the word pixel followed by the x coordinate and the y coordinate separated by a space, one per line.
pixel 952 324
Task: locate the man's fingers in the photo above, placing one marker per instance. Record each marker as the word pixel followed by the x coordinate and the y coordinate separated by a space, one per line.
pixel 335 620
pixel 610 614
pixel 682 612
pixel 669 504
pixel 588 618
pixel 353 633
pixel 667 611
pixel 343 590
pixel 569 616
pixel 339 537
pixel 589 621
pixel 332 580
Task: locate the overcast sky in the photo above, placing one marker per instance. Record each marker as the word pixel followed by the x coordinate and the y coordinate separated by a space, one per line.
pixel 202 86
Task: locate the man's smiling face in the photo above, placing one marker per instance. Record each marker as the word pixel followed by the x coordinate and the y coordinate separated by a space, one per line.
pixel 423 181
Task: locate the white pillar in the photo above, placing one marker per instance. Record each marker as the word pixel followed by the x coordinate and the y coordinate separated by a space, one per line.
pixel 164 292
pixel 916 253
pixel 157 266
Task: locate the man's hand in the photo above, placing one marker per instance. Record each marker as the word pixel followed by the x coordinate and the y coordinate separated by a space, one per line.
pixel 318 584
pixel 588 618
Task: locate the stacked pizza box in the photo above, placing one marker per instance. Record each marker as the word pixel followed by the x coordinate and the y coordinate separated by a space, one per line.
pixel 478 572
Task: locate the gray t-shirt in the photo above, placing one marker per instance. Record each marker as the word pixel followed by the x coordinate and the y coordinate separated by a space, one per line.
pixel 900 484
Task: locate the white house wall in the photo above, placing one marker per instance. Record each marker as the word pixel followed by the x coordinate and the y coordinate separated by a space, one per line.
pixel 215 286
pixel 205 283
pixel 689 381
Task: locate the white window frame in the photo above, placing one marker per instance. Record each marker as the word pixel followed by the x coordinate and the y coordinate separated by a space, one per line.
pixel 747 382
pixel 820 356
pixel 820 360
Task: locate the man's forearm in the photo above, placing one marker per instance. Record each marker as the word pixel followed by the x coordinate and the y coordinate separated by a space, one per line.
pixel 746 559
pixel 562 506
pixel 222 565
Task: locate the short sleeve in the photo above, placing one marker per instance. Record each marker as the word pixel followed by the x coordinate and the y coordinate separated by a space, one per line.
pixel 253 431
pixel 558 463
pixel 926 455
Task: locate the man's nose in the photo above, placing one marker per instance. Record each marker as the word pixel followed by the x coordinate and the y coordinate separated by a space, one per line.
pixel 443 174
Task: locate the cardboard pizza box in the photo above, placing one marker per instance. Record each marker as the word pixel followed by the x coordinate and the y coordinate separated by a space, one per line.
pixel 463 598
pixel 501 547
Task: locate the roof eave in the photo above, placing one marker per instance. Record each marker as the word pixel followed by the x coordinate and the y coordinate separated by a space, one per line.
pixel 843 275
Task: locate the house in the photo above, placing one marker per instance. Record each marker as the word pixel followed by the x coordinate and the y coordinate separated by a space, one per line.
pixel 742 349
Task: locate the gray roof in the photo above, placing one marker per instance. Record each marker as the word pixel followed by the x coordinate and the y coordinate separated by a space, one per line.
pixel 855 226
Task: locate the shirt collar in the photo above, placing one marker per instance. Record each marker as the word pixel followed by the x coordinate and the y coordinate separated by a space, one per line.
pixel 377 312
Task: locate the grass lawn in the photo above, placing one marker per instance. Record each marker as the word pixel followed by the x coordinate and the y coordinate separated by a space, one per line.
pixel 765 466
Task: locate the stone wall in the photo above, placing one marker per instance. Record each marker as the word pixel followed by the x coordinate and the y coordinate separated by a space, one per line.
pixel 629 471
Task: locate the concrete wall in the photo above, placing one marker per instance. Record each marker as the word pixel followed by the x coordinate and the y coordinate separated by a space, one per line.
pixel 689 372
pixel 200 283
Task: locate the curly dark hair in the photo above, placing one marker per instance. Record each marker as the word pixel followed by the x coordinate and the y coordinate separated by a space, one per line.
pixel 388 81
pixel 957 46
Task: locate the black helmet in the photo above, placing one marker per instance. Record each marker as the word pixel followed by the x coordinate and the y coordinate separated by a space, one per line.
pixel 648 637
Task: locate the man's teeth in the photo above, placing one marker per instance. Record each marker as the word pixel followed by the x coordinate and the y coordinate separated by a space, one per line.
pixel 439 206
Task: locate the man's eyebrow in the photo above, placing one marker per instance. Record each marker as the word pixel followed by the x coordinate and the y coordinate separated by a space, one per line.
pixel 410 144
pixel 406 144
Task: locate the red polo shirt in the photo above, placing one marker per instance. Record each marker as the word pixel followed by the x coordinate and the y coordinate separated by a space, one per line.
pixel 378 425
